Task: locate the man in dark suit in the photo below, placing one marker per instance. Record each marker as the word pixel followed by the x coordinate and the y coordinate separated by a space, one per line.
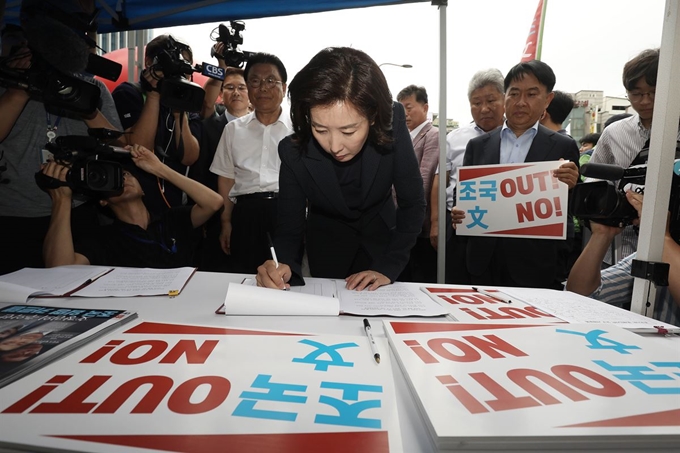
pixel 422 265
pixel 510 261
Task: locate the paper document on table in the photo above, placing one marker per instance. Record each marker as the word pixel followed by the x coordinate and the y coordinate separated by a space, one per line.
pixel 253 301
pixel 397 299
pixel 575 308
pixel 314 286
pixel 130 281
pixel 62 281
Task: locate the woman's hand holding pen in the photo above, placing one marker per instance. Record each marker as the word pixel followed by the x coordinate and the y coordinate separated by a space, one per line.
pixel 366 279
pixel 269 275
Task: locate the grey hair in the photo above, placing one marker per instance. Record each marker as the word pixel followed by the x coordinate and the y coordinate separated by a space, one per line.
pixel 485 77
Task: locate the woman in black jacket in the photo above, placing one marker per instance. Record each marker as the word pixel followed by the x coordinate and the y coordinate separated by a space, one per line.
pixel 350 147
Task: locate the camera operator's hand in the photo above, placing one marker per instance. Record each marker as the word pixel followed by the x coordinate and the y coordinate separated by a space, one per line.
pixel 152 76
pixel 145 159
pixel 20 59
pixel 635 200
pixel 58 172
pixel 605 231
pixel 218 50
pixel 567 173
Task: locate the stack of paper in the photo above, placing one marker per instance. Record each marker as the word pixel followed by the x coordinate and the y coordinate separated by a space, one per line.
pixel 92 281
pixel 575 308
pixel 323 297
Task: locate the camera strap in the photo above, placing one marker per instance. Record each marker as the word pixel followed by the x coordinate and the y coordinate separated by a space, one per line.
pixel 51 129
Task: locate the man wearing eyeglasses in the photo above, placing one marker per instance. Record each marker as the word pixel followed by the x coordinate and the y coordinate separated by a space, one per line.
pixel 247 164
pixel 621 142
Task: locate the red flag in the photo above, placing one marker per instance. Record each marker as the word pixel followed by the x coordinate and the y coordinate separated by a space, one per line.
pixel 533 40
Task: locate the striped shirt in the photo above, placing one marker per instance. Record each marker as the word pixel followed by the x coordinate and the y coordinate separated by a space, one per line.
pixel 616 288
pixel 619 145
pixel 621 142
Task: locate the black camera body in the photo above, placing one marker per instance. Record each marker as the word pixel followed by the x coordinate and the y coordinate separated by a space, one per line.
pixel 96 169
pixel 231 36
pixel 63 94
pixel 176 91
pixel 605 201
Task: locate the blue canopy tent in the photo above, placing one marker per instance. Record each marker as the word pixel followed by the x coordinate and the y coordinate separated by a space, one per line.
pixel 122 15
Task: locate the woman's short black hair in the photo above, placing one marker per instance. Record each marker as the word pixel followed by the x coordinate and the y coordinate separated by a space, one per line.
pixel 342 74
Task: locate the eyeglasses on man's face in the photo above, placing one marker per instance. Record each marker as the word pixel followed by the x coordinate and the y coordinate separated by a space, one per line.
pixel 637 96
pixel 269 82
pixel 229 87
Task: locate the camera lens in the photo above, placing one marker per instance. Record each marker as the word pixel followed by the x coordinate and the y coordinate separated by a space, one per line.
pixel 97 176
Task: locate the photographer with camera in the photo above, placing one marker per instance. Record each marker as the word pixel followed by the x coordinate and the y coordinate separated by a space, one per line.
pixel 45 52
pixel 137 237
pixel 621 142
pixel 173 134
pixel 614 285
pixel 233 89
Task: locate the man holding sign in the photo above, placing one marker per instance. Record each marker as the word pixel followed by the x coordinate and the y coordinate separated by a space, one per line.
pixel 519 258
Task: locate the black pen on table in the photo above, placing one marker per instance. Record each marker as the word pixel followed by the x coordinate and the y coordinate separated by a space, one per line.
pixel 371 340
pixel 273 252
pixel 497 295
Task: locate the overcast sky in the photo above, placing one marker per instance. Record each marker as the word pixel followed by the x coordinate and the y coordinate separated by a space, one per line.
pixel 586 42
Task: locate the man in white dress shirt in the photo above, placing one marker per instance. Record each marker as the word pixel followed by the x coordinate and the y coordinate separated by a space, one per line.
pixel 247 164
pixel 485 94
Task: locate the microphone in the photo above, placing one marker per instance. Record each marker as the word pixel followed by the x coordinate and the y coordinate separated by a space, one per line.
pixel 212 71
pixel 608 172
pixel 57 44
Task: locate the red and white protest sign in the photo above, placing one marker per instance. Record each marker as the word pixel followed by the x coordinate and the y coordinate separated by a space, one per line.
pixel 504 386
pixel 195 389
pixel 512 200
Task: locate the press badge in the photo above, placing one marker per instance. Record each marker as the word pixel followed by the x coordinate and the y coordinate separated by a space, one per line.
pixel 46 155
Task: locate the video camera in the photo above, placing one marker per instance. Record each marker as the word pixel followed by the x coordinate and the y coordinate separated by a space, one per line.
pixel 176 91
pixel 95 171
pixel 605 202
pixel 59 50
pixel 230 35
pixel 62 94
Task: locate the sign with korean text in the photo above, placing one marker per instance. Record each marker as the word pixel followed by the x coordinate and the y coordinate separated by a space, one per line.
pixel 512 200
pixel 181 388
pixel 541 386
pixel 465 304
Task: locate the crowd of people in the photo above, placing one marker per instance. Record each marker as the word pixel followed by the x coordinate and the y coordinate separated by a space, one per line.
pixel 344 179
